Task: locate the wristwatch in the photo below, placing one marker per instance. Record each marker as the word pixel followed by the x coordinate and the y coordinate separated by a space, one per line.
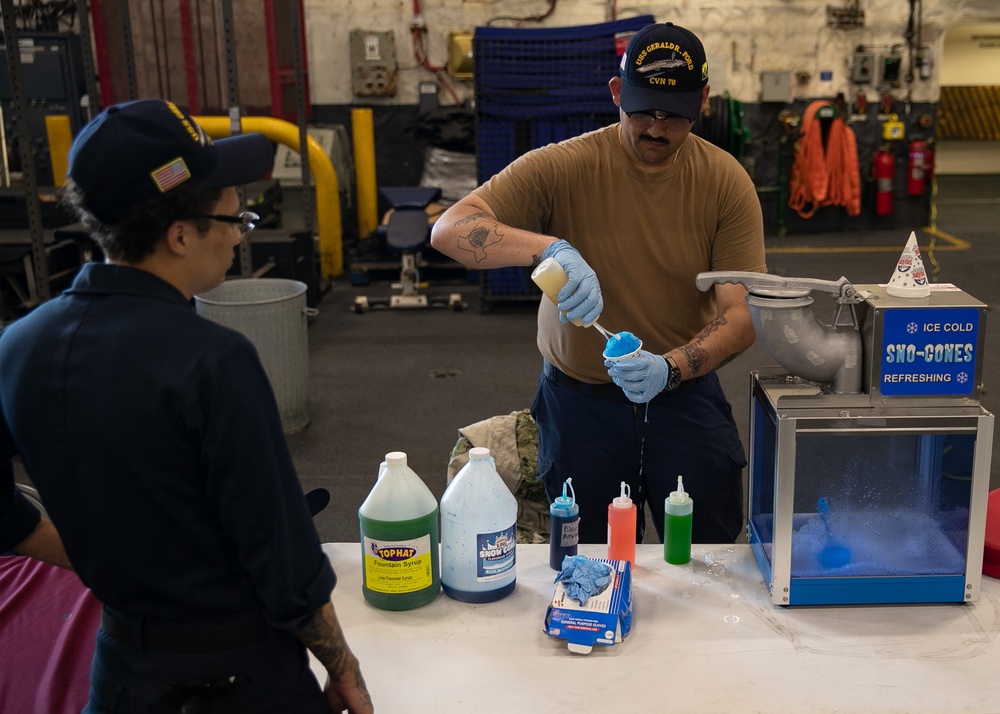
pixel 673 374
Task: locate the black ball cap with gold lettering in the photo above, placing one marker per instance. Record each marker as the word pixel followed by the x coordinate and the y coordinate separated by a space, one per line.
pixel 663 69
pixel 138 150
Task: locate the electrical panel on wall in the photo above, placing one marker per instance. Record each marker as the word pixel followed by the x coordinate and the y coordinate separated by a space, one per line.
pixel 373 63
pixel 889 73
pixel 862 66
pixel 775 86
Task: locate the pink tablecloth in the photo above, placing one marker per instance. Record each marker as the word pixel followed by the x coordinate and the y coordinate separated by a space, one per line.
pixel 48 622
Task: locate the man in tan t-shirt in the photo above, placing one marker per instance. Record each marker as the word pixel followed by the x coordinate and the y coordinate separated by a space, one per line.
pixel 633 212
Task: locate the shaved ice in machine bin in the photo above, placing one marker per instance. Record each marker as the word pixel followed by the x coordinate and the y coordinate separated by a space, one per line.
pixel 622 344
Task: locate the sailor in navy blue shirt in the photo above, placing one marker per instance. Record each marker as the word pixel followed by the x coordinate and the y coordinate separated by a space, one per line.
pixel 154 440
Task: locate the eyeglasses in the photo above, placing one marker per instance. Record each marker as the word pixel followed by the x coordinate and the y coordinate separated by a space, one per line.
pixel 245 221
pixel 644 120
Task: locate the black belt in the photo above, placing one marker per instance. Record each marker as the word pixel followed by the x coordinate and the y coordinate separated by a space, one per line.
pixel 188 638
pixel 607 390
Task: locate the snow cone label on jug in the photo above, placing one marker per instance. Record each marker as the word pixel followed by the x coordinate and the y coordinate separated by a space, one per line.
pixel 398 566
pixel 496 554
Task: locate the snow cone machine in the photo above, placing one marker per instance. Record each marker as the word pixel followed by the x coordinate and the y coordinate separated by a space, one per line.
pixel 869 451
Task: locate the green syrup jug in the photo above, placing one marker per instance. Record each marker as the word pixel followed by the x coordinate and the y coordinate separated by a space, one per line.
pixel 399 539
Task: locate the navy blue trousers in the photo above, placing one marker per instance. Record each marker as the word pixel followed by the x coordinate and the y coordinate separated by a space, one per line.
pixel 601 441
pixel 274 674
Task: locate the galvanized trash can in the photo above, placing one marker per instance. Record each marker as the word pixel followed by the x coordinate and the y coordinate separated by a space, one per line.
pixel 272 313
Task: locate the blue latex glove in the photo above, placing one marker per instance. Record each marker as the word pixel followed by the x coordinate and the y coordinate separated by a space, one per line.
pixel 641 377
pixel 582 578
pixel 580 297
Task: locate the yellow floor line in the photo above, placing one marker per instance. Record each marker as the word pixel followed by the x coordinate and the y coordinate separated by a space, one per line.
pixel 953 243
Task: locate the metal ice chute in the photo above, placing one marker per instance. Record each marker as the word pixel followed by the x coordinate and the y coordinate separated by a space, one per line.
pixel 784 321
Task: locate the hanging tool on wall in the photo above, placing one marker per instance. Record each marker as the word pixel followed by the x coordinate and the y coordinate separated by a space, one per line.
pixel 860 108
pixel 885 104
pixel 825 172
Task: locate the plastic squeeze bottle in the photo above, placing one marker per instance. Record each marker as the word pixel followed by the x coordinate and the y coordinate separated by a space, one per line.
pixel 399 539
pixel 550 277
pixel 564 526
pixel 678 508
pixel 478 532
pixel 621 527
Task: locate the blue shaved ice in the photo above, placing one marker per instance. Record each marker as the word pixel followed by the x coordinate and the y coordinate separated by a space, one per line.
pixel 621 344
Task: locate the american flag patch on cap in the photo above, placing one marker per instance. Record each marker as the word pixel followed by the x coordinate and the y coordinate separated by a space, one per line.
pixel 170 175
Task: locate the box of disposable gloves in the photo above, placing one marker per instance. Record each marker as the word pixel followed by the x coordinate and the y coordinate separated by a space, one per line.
pixel 591 604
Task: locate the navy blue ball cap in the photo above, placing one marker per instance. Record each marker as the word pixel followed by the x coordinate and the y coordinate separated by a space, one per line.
pixel 138 150
pixel 663 69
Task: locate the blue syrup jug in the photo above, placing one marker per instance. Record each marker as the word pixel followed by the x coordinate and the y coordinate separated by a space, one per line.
pixel 478 533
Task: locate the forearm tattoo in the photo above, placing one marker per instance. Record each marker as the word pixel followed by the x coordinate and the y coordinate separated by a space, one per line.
pixel 728 359
pixel 695 353
pixel 482 233
pixel 326 641
pixel 696 356
pixel 324 638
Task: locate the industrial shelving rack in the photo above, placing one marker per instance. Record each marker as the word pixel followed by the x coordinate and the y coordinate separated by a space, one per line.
pixel 284 31
pixel 534 87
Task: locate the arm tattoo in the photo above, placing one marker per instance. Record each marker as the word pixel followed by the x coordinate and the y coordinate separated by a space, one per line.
pixel 326 642
pixel 696 356
pixel 727 360
pixel 483 233
pixel 708 329
pixel 695 353
pixel 324 638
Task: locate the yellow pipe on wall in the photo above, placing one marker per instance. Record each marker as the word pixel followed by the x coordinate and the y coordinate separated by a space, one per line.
pixel 60 136
pixel 331 252
pixel 363 134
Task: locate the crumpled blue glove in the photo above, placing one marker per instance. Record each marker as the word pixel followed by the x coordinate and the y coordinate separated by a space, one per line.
pixel 580 298
pixel 641 377
pixel 583 578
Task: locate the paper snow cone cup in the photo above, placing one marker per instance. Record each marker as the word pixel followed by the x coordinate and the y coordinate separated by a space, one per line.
pixel 909 279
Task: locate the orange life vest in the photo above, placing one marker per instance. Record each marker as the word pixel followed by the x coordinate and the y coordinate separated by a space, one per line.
pixel 825 175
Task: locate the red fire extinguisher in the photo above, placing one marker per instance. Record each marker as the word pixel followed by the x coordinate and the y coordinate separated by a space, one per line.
pixel 883 171
pixel 921 161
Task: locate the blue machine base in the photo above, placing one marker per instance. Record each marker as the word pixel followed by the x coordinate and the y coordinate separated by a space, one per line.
pixel 862 590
